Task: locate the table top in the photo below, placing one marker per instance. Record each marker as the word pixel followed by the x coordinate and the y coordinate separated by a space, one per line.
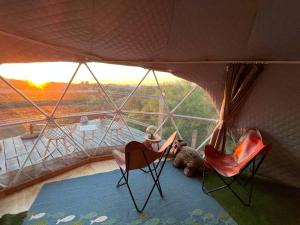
pixel 88 127
pixel 156 139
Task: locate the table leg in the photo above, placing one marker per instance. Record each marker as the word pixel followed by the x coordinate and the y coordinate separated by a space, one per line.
pixel 83 136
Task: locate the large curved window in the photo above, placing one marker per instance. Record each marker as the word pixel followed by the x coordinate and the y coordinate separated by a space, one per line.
pixel 54 115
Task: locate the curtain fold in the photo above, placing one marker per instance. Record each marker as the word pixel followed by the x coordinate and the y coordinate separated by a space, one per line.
pixel 239 81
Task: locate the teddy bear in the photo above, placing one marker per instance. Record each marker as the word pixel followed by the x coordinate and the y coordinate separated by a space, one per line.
pixel 188 158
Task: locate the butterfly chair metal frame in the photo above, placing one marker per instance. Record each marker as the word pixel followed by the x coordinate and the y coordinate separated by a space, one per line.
pixel 228 166
pixel 155 165
pixel 138 156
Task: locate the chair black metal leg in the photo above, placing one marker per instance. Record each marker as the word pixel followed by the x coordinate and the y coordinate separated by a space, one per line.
pixel 203 181
pixel 145 171
pixel 228 185
pixel 211 190
pixel 155 176
pixel 155 182
pixel 154 169
pixel 249 179
pixel 162 166
pixel 234 192
pixel 119 184
pixel 125 177
pixel 154 166
pixel 159 160
pixel 165 155
pixel 158 182
pixel 124 174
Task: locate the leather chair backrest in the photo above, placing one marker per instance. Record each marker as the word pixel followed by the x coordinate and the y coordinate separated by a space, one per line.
pixel 168 142
pixel 137 155
pixel 249 146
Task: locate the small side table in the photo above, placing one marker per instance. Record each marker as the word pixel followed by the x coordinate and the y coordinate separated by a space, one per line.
pixel 88 127
pixel 156 140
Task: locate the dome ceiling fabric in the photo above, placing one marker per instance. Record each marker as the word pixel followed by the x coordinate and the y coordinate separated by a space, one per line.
pixel 167 30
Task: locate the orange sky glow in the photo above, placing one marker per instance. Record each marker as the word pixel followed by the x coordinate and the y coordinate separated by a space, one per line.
pixel 40 73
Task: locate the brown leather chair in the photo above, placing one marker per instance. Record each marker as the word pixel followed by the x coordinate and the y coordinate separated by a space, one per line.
pixel 250 152
pixel 138 156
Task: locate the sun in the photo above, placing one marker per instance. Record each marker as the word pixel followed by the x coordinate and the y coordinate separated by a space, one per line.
pixel 37 83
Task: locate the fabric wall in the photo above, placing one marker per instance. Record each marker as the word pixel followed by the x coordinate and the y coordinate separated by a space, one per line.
pixel 274 107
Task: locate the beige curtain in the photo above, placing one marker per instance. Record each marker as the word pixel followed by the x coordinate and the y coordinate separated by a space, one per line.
pixel 239 81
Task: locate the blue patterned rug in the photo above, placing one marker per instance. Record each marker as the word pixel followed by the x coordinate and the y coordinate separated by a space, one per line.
pixel 96 200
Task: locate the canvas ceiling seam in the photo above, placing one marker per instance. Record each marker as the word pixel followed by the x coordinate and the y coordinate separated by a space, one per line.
pixel 90 56
pixel 46 25
pixel 17 10
pixel 254 21
pixel 76 52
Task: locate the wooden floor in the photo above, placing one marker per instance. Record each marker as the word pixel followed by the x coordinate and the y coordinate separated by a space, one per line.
pixel 22 200
pixel 14 150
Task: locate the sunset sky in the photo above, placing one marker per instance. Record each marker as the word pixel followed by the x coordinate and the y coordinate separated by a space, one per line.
pixel 39 73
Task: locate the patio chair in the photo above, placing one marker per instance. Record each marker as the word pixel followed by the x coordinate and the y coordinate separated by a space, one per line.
pixel 117 126
pixel 250 152
pixel 138 156
pixel 55 135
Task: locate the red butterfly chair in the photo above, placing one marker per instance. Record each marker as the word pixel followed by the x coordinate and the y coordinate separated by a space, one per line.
pixel 138 156
pixel 249 151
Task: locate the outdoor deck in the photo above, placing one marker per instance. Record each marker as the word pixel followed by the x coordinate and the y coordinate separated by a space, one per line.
pixel 14 150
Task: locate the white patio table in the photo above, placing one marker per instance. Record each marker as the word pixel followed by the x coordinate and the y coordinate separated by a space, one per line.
pixel 86 128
